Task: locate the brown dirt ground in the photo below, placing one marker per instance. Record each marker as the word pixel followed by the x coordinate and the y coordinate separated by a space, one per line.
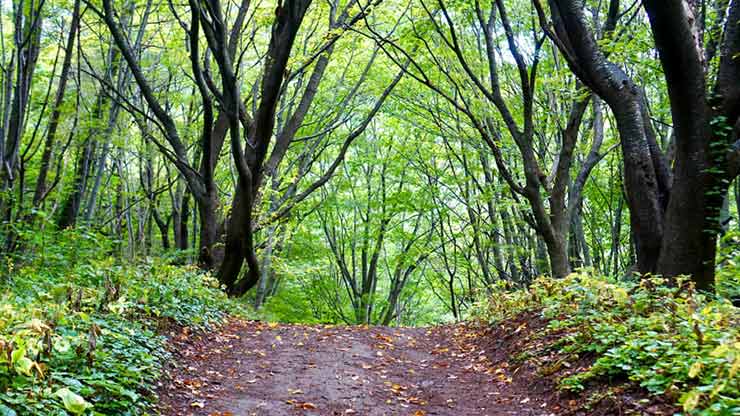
pixel 254 368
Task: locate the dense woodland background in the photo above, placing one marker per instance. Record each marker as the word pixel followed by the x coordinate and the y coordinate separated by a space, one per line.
pixel 368 161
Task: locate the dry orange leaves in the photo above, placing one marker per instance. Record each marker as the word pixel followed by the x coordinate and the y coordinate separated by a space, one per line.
pixel 301 405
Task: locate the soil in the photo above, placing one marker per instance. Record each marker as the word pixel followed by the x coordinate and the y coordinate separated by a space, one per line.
pixel 255 368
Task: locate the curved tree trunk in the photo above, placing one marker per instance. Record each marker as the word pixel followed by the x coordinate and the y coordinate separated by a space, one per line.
pixel 239 247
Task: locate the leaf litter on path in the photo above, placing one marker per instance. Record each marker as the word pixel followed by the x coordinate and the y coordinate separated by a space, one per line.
pixel 255 368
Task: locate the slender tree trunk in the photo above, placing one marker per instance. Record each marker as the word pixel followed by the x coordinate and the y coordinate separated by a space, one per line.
pixel 737 202
pixel 266 267
pixel 163 228
pixel 185 215
pixel 27 42
pixel 118 223
pixel 50 139
pixel 511 246
pixel 71 207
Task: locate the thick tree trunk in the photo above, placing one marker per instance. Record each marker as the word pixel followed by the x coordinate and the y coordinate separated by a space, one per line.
pixel 702 138
pixel 557 253
pixel 692 219
pixel 644 186
pixel 239 246
pixel 208 254
pixel 643 195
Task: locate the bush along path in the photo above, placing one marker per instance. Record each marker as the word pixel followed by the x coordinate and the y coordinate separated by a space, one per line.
pixel 256 368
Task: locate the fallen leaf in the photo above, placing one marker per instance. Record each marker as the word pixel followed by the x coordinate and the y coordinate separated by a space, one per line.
pixel 306 406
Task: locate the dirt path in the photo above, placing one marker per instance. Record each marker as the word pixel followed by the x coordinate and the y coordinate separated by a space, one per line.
pixel 254 368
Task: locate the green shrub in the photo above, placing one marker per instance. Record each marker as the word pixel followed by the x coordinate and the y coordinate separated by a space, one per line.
pixel 669 339
pixel 79 336
pixel 728 272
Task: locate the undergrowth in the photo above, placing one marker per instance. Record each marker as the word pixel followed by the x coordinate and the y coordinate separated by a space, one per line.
pixel 669 339
pixel 78 330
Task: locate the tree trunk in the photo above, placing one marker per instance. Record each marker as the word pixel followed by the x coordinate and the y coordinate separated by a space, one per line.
pixel 557 252
pixel 40 190
pixel 208 256
pixel 266 268
pixel 27 43
pixel 71 207
pixel 239 246
pixel 163 228
pixel 703 135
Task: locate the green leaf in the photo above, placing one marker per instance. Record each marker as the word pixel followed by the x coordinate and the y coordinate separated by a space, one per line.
pixel 24 365
pixel 17 355
pixel 6 411
pixel 690 400
pixel 695 369
pixel 73 402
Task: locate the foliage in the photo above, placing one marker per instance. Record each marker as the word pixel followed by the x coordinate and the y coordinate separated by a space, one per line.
pixel 81 336
pixel 669 339
pixel 728 274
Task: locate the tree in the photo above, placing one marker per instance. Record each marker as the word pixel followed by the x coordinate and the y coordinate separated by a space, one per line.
pixel 464 68
pixel 674 214
pixel 17 78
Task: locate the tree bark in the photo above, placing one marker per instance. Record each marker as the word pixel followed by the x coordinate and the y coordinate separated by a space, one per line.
pixel 578 44
pixel 71 207
pixel 702 136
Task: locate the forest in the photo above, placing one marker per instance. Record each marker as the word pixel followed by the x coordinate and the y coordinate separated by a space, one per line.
pixel 371 207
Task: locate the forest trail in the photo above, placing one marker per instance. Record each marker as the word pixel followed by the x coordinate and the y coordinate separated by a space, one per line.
pixel 256 368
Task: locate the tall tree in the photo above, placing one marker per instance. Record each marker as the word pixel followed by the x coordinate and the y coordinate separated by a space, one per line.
pixel 674 213
pixel 51 131
pixel 18 77
pixel 469 77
